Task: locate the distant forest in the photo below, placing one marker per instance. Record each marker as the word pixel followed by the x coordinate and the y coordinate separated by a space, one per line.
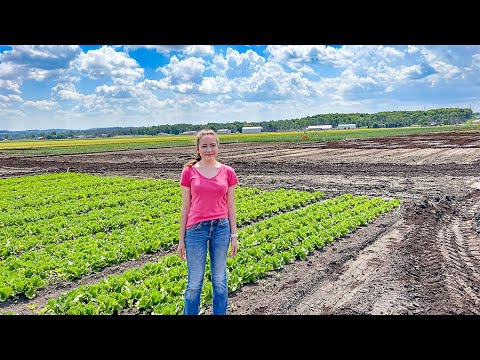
pixel 389 119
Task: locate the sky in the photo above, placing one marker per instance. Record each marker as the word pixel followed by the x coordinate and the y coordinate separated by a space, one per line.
pixel 96 86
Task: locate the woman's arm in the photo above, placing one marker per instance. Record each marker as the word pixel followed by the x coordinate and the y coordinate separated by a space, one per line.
pixel 183 221
pixel 232 217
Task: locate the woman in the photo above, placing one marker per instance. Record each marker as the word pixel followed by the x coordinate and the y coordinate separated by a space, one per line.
pixel 208 219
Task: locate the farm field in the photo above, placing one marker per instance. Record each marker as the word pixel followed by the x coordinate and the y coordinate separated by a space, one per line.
pixel 421 258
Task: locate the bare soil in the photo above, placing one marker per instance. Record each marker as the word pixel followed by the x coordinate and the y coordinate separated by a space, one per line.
pixel 422 258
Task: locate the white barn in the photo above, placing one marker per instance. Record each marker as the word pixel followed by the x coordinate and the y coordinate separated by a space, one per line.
pixel 251 129
pixel 319 127
pixel 224 131
pixel 346 126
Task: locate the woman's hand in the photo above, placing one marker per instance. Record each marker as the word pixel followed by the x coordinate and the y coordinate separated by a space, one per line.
pixel 181 250
pixel 234 249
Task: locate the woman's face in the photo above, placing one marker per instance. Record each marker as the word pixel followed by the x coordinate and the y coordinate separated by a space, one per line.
pixel 207 147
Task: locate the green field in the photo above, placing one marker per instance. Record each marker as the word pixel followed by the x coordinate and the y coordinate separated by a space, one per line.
pixel 59 228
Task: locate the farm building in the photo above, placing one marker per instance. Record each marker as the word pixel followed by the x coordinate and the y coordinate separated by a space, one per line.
pixel 224 131
pixel 251 129
pixel 346 126
pixel 319 127
pixel 193 132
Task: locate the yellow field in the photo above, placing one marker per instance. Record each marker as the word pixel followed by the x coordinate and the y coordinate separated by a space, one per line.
pixel 27 144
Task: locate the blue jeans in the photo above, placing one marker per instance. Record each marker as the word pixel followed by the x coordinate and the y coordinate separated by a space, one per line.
pixel 214 234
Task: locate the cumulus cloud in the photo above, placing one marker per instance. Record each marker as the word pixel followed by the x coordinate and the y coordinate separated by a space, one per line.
pixel 108 63
pixel 237 65
pixel 66 92
pixel 184 75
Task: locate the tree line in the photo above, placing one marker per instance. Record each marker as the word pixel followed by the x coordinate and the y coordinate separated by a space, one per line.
pixel 389 119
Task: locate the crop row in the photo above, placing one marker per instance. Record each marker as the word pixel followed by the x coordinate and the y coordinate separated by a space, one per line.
pixel 157 288
pixel 97 233
pixel 40 190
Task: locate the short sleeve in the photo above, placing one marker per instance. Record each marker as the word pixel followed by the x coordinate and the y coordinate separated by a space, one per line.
pixel 186 176
pixel 231 177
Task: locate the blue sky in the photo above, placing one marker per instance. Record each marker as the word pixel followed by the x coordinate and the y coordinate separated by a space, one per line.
pixel 81 87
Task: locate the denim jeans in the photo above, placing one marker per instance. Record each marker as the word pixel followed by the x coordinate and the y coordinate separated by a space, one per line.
pixel 214 235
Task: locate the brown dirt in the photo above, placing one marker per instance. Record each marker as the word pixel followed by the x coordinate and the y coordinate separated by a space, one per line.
pixel 422 258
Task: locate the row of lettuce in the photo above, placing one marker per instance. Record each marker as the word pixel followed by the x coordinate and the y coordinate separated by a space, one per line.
pixel 271 234
pixel 65 226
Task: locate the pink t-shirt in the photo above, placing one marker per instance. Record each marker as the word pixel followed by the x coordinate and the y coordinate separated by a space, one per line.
pixel 208 199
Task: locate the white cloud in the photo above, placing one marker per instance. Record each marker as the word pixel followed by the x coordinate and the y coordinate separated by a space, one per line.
pixel 11 71
pixel 184 75
pixel 298 56
pixel 10 99
pixel 272 82
pixel 9 86
pixel 37 62
pixel 108 63
pixel 216 85
pixel 155 84
pixel 191 50
pixel 199 50
pixel 236 65
pixel 66 92
pixel 40 105
pixel 47 57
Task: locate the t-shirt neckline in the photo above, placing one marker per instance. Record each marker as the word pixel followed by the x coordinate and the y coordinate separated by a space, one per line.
pixel 214 176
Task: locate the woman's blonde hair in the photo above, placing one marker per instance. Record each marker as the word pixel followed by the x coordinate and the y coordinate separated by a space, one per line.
pixel 201 134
